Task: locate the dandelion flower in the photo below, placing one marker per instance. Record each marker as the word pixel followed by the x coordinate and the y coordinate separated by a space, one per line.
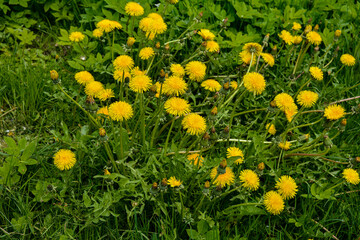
pixel 337 33
pixel 119 111
pixel 291 111
pixel 314 38
pixel 271 128
pixel 222 179
pixel 106 94
pixel 140 83
pixel 347 60
pixel 196 70
pixel 268 58
pixel 307 98
pixel 123 63
pixel 174 85
pixel 177 106
pixel 107 25
pixel 246 57
pixel 233 84
pixel 103 111
pixel 283 101
pixel 212 46
pixel 84 77
pixel 235 152
pixel 273 202
pixel 206 34
pixel 254 82
pixel 284 145
pixel 98 32
pixel 286 37
pixel 334 112
pixel 94 88
pixel 76 37
pixel 287 187
pixel 195 159
pixel 137 72
pixel 249 179
pixel 194 124
pixel 54 75
pixel 146 53
pixel 120 75
pixel 351 176
pixel 252 47
pixel 177 70
pixel 316 73
pixel 64 159
pixel 297 39
pixel 134 9
pixel 211 85
pixel 173 182
pixel 296 26
pixel 130 41
pixel 173 1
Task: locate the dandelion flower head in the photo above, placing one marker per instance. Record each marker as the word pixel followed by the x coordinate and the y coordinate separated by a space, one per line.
pixel 177 106
pixel 123 63
pixel 103 111
pixel 268 58
pixel 287 187
pixel 314 38
pixel 211 85
pixel 283 101
pixel 195 159
pixel 194 124
pixel 106 94
pixel 174 85
pixel 222 179
pixel 249 179
pixel 297 39
pixel 285 145
pixel 134 9
pixel 173 182
pixel 84 77
pixel 347 60
pixel 307 98
pixel 271 128
pixel 291 111
pixel 146 53
pixel 76 37
pixel 140 83
pixel 316 73
pixel 98 32
pixel 130 41
pixel 235 152
pixel 177 70
pixel 286 37
pixel 273 202
pixel 351 176
pixel 246 57
pixel 296 26
pixel 206 34
pixel 254 82
pixel 334 112
pixel 64 159
pixel 212 46
pixel 233 84
pixel 107 25
pixel 252 48
pixel 119 111
pixel 94 88
pixel 196 70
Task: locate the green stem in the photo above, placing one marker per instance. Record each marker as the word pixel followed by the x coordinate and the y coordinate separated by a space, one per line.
pixel 252 56
pixel 142 113
pixel 301 57
pixel 168 136
pixel 305 125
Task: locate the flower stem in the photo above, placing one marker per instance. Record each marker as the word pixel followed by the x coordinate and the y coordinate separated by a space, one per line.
pixel 142 113
pixel 168 136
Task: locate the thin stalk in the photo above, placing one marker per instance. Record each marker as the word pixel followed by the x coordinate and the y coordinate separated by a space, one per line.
pixel 142 113
pixel 251 61
pixel 301 57
pixel 305 125
pixel 168 136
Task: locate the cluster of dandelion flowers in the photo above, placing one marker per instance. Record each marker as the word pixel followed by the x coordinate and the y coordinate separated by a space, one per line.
pixel 120 75
pixel 283 101
pixel 307 98
pixel 212 46
pixel 76 37
pixel 146 53
pixel 173 182
pixel 285 145
pixel 287 187
pixel 174 85
pixel 286 37
pixel 351 176
pixel 106 94
pixel 196 70
pixel 291 111
pixel 211 85
pixel 134 9
pixel 64 159
pixel 314 38
pixel 195 159
pixel 98 33
pixel 296 26
pixel 334 112
pixel 273 202
pixel 347 60
pixel 254 82
pixel 194 124
pixel 119 111
pixel 107 25
pixel 123 63
pixel 249 180
pixel 316 73
pixel 268 58
pixel 206 34
pixel 222 179
pixel 140 83
pixel 177 106
pixel 271 128
pixel 177 70
pixel 94 88
pixel 84 77
pixel 235 152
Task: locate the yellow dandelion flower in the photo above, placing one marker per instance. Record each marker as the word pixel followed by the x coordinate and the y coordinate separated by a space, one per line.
pixel 196 70
pixel 307 98
pixel 297 39
pixel 64 159
pixel 119 111
pixel 351 176
pixel 173 182
pixel 291 111
pixel 107 25
pixel 316 73
pixel 130 41
pixel 123 63
pixel 308 28
pixel 287 187
pixel 194 124
pixel 271 128
pixel 177 70
pixel 134 9
pixel 254 82
pixel 173 1
pixel 314 38
pixel 286 37
pixel 98 33
pixel 249 180
pixel 54 74
pixel 84 77
pixel 94 88
pixel 140 83
pixel 76 37
pixel 233 84
pixel 273 202
pixel 106 94
pixel 195 159
pixel 337 33
pixel 246 57
pixel 137 72
pixel 283 101
pixel 174 85
pixel 296 26
pixel 334 112
pixel 212 46
pixel 120 75
pixel 222 179
pixel 347 60
pixel 252 47
pixel 146 53
pixel 235 152
pixel 211 85
pixel 285 145
pixel 268 58
pixel 206 34
pixel 103 111
pixel 177 106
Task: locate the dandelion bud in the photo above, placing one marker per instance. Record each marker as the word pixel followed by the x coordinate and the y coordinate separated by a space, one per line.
pixel 223 164
pixel 226 86
pixel 224 22
pixel 327 142
pixel 90 100
pixel 266 38
pixel 102 132
pixel 337 33
pixel 316 48
pixel 308 28
pixel 204 44
pixel 201 14
pixel 226 129
pixel 57 57
pixel 207 185
pixel 54 75
pixel 164 182
pixel 213 130
pixel 157 45
pixel 154 190
pixel 304 137
pixel 274 50
pixel 357 159
pixel 134 204
pixel 316 28
pixel 162 73
pixel 273 103
pixel 130 41
pixel 106 172
pixel 343 122
pixel 261 166
pixel 167 47
pixel 154 186
pixel 337 49
pixel 214 111
pixel 206 136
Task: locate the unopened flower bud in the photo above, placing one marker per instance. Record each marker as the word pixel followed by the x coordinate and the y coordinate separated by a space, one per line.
pixel 343 122
pixel 167 47
pixel 266 38
pixel 337 33
pixel 102 132
pixel 157 45
pixel 54 75
pixel 201 14
pixel 308 28
pixel 90 100
pixel 226 86
pixel 214 111
pixel 316 28
pixel 162 73
pixel 164 182
pixel 261 166
pixel 273 103
pixel 213 129
pixel 223 164
pixel 130 41
pixel 274 50
pixel 327 142
pixel 207 185
pixel 316 48
pixel 154 186
pixel 57 57
pixel 206 136
pixel 227 129
pixel 357 159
